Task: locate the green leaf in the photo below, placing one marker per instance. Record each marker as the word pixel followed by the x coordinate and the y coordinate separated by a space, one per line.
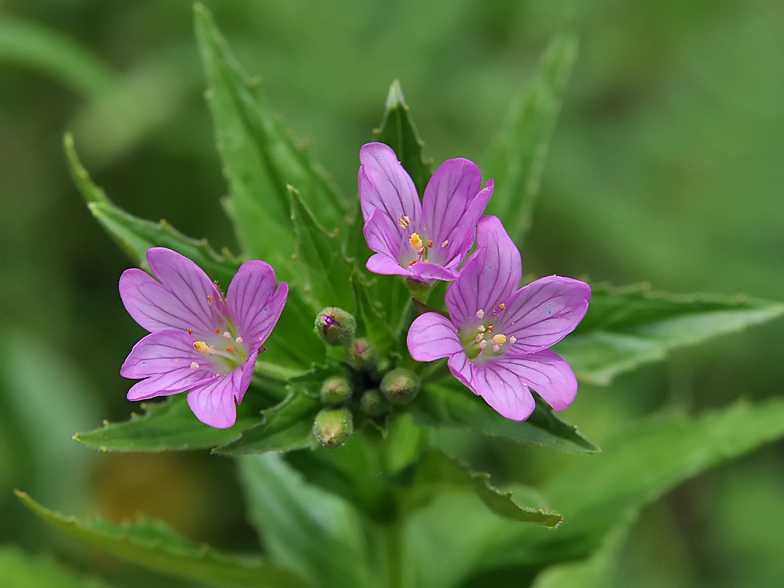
pixel 135 236
pixel 436 472
pixel 594 495
pixel 286 427
pixel 440 406
pixel 399 132
pixel 22 570
pixel 597 571
pixel 156 546
pixel 373 320
pixel 626 327
pixel 260 158
pixel 325 271
pixel 305 528
pixel 517 157
pixel 638 466
pixel 167 426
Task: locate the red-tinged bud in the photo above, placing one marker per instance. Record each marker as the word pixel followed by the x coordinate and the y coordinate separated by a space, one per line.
pixel 336 326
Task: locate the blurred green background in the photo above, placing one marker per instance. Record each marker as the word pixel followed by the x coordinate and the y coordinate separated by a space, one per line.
pixel 666 166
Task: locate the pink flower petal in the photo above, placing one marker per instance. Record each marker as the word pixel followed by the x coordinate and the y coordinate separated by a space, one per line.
pixel 501 388
pixel 385 265
pixel 385 185
pixel 213 401
pixel 488 277
pixel 428 272
pixel 433 336
pixel 543 312
pixel 168 383
pixel 172 303
pixel 163 352
pixel 381 236
pixel 448 196
pixel 254 304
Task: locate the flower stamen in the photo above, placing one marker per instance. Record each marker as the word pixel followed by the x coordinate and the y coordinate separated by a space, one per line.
pixel 416 242
pixel 480 313
pixel 210 300
pixel 404 221
pixel 194 365
pixel 499 339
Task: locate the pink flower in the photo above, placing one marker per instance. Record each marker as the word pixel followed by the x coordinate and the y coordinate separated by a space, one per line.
pixel 497 335
pixel 199 341
pixel 427 241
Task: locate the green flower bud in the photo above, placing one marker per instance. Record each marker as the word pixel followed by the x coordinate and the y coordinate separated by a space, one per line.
pixel 362 355
pixel 333 427
pixel 335 390
pixel 373 403
pixel 336 326
pixel 400 385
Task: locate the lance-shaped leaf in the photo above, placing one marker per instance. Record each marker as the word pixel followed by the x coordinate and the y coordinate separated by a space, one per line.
pixel 167 426
pixel 441 406
pixel 436 472
pixel 307 529
pixel 135 236
pixel 399 132
pixel 260 157
pixel 286 427
pixel 154 545
pixel 637 466
pixel 373 321
pixel 626 327
pixel 324 272
pixel 517 157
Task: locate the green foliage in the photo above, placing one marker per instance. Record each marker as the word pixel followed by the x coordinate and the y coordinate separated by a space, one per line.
pixel 166 426
pixel 260 158
pixel 399 132
pixel 323 269
pixel 638 466
pixel 516 161
pixel 19 570
pixel 156 546
pixel 307 529
pixel 456 407
pixel 626 327
pixel 286 427
pixel 436 473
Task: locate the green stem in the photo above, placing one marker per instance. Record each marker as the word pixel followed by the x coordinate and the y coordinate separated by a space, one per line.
pixel 394 544
pixel 276 372
pixel 435 371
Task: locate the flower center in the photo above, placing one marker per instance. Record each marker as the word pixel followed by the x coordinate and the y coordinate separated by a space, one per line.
pixel 223 349
pixel 481 341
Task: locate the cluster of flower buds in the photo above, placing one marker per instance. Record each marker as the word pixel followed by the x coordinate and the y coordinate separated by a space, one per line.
pixel 366 388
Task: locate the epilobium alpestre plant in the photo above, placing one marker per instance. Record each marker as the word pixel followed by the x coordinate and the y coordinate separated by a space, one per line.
pixel 330 425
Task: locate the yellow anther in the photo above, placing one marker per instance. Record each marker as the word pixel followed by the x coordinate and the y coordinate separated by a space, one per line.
pixel 194 365
pixel 209 300
pixel 404 221
pixel 499 339
pixel 201 347
pixel 445 243
pixel 416 242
